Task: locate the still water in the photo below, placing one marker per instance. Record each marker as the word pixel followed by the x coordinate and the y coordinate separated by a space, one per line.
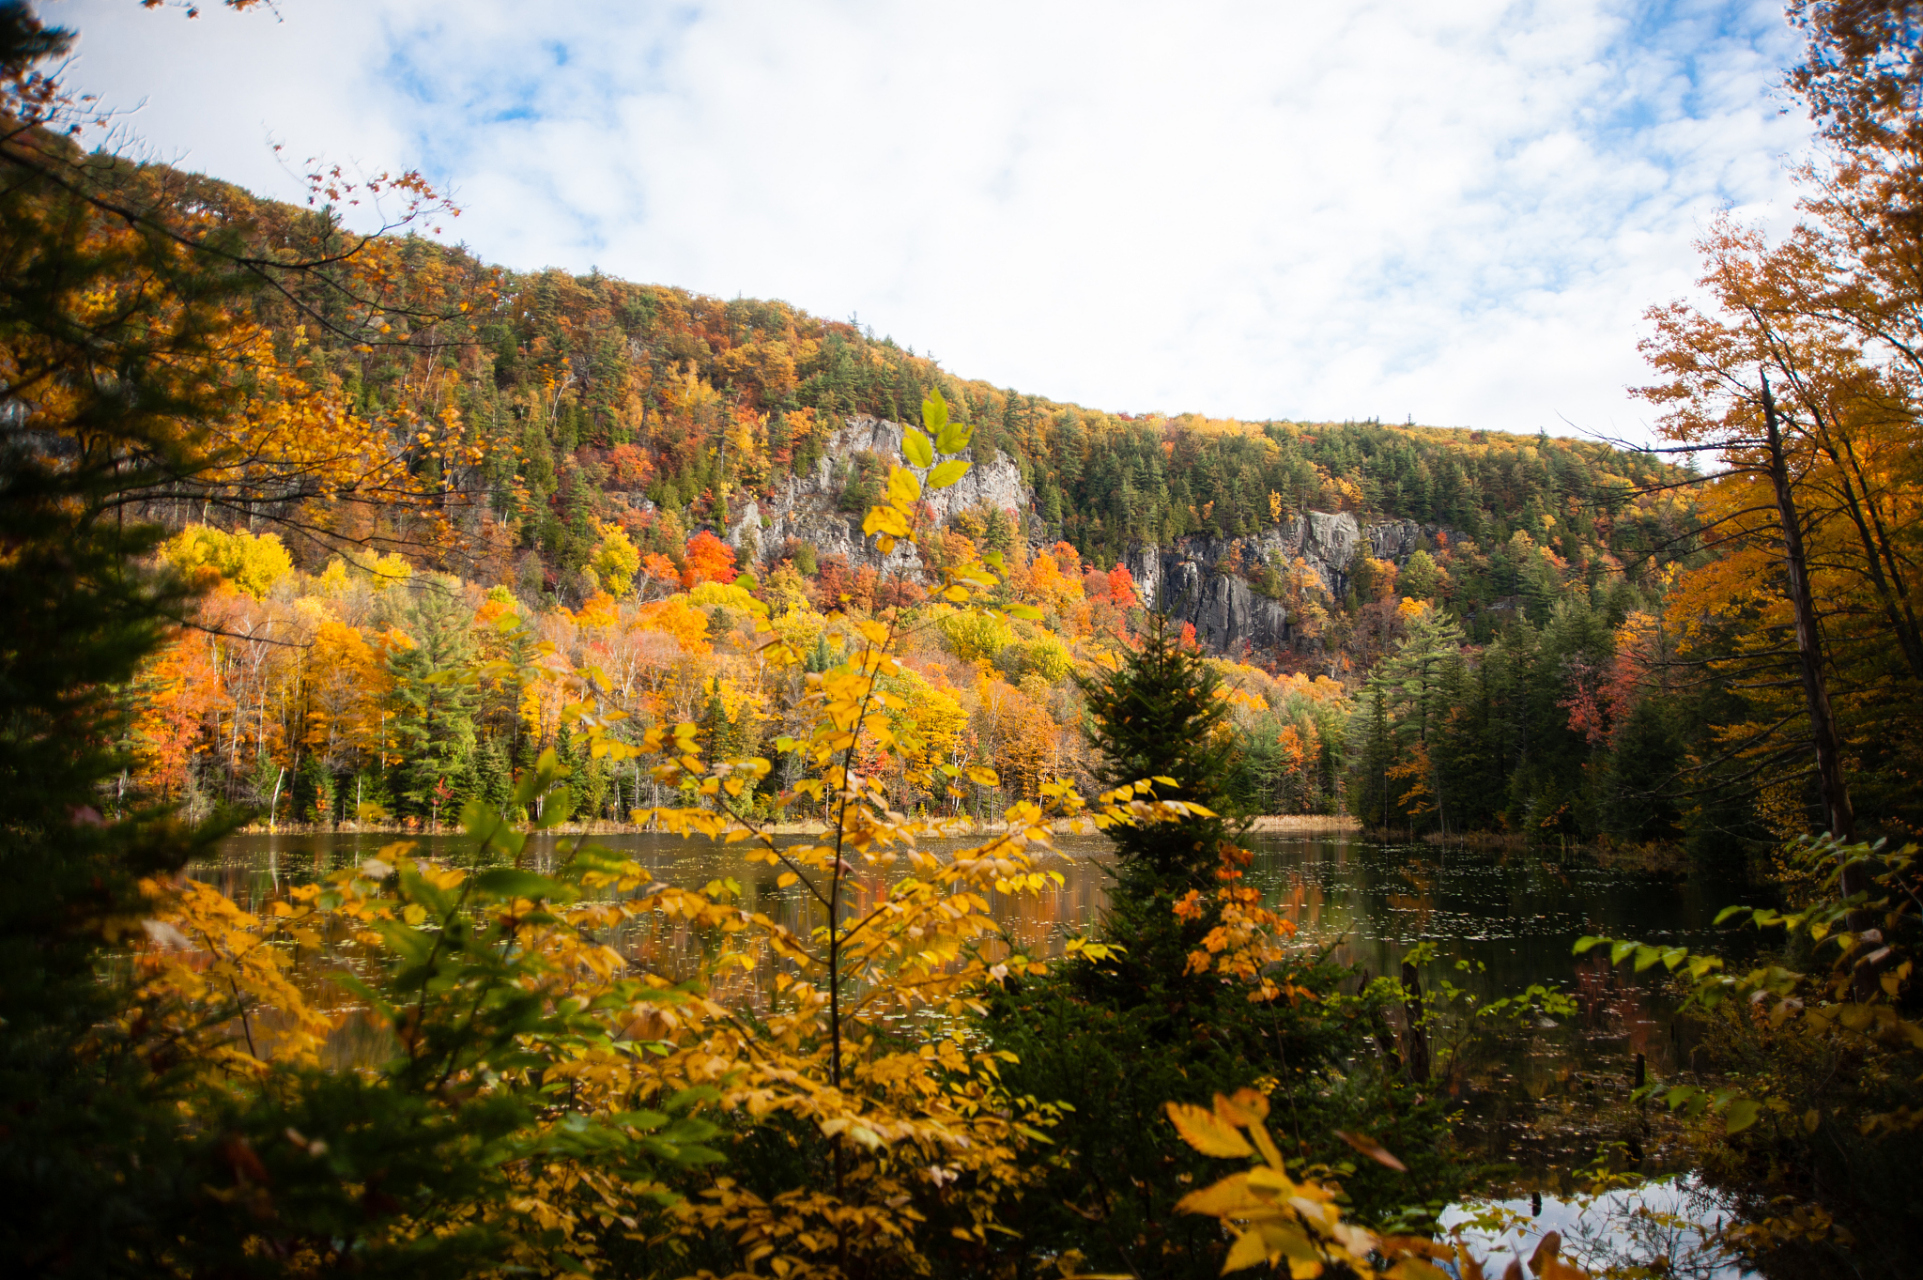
pixel 1498 922
pixel 1511 916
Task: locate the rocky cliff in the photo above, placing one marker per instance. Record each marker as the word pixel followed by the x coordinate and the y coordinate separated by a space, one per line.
pixel 1205 581
pixel 1201 580
pixel 806 507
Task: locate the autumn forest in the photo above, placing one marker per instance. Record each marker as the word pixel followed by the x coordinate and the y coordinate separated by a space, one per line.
pixel 487 583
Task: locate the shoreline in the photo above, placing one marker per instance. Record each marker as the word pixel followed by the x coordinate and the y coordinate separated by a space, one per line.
pixel 1264 824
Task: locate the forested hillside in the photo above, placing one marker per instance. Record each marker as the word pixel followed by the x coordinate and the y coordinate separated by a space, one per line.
pixel 581 445
pixel 584 455
pixel 571 388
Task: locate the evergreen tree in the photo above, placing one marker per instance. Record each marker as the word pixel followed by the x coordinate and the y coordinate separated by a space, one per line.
pixel 314 791
pixel 434 727
pixel 492 780
pixel 1123 1035
pixel 90 1153
pixel 1160 715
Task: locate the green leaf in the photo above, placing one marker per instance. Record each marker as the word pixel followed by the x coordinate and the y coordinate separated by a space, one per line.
pixel 480 821
pixel 600 858
pixel 375 1001
pixel 1618 951
pixel 1646 956
pixel 1027 611
pixel 1727 912
pixel 695 1095
pixel 410 944
pixel 645 1121
pixel 947 473
pixel 917 449
pixel 1584 943
pixel 1740 1114
pixel 415 888
pixel 954 437
pixel 1682 1095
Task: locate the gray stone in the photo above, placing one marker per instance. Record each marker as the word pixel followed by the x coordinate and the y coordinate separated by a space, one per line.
pixel 805 506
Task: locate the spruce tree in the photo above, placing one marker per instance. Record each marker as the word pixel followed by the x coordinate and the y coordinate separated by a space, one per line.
pixel 1121 1036
pixel 1161 715
pixel 434 728
pixel 90 1158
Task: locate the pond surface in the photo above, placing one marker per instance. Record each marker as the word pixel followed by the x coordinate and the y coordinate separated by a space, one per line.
pixel 1498 922
pixel 1510 916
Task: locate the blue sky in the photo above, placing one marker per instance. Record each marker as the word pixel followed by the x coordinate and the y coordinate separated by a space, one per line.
pixel 1396 208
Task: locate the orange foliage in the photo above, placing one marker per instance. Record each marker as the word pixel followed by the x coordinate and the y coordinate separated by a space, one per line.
pixel 182 686
pixel 709 559
pixel 676 617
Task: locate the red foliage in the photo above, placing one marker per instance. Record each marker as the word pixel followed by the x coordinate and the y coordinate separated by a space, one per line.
pixel 1121 586
pixel 834 583
pixel 629 467
pixel 708 559
pixel 659 568
pixel 898 593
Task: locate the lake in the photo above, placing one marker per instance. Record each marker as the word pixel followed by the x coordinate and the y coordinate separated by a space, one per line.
pixel 1541 1107
pixel 1512 915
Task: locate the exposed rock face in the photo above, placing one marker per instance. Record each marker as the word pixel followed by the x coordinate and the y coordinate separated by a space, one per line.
pixel 806 507
pixel 1204 581
pixel 1226 614
pixel 1200 580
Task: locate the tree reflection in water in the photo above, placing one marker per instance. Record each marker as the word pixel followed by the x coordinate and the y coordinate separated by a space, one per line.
pixel 1545 1095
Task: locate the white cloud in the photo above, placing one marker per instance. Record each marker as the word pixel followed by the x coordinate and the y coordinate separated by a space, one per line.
pixel 1454 211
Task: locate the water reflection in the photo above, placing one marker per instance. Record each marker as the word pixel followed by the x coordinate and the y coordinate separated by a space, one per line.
pixel 1666 1227
pixel 1545 1101
pixel 1511 916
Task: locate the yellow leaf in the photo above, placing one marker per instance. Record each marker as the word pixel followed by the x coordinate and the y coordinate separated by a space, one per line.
pixel 1374 1150
pixel 1247 1251
pixel 785 879
pixel 917 448
pixel 903 488
pixel 1220 1199
pixel 1244 1108
pixel 1417 1269
pixel 886 519
pixel 983 776
pixel 1204 1131
pixel 947 473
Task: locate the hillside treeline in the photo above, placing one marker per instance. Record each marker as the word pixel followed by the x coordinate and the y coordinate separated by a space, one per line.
pixel 1621 663
pixel 541 394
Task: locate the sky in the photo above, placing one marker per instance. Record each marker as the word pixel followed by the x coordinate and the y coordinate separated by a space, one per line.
pixel 1455 213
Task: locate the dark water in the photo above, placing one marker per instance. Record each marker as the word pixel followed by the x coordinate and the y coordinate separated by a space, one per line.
pixel 1543 1102
pixel 1512 916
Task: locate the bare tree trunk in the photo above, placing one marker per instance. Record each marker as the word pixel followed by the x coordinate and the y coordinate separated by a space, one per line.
pixel 273 806
pixel 1829 762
